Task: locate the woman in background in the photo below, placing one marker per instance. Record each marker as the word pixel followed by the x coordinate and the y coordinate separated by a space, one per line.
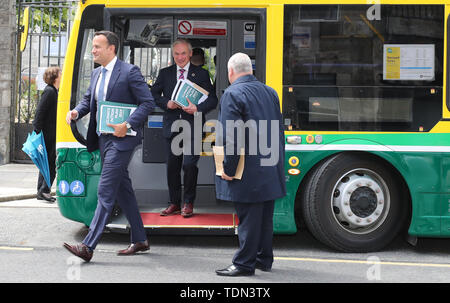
pixel 45 121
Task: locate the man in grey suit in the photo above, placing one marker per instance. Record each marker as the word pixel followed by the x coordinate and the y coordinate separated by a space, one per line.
pixel 256 105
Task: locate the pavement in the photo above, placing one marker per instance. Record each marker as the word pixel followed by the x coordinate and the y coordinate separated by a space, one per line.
pixel 18 182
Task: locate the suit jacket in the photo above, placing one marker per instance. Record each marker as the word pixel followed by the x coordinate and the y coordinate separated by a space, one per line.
pixel 164 86
pixel 248 99
pixel 45 117
pixel 126 85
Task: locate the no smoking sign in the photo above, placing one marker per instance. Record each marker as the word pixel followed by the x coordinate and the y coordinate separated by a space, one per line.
pixel 202 28
pixel 184 27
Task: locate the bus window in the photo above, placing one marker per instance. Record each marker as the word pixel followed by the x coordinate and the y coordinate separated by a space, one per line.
pixel 148 42
pixel 84 76
pixel 84 64
pixel 341 71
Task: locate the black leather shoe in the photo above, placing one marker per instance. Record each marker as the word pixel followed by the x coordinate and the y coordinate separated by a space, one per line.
pixel 233 271
pixel 262 267
pixel 46 197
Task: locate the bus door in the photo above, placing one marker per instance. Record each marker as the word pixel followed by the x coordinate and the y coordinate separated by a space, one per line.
pixel 147 37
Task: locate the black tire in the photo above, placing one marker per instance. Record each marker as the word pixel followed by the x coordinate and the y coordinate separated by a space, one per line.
pixel 353 202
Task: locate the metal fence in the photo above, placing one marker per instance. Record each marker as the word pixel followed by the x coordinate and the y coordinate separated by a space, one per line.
pixel 49 29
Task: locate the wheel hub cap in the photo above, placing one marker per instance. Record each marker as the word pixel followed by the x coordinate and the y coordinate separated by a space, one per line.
pixel 359 201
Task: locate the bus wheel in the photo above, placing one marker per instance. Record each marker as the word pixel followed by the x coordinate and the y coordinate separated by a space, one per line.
pixel 353 203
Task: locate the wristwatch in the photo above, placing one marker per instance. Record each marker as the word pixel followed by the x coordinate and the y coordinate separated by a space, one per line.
pixel 128 125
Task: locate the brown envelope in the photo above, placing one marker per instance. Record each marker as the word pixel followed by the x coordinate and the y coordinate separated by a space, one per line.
pixel 218 159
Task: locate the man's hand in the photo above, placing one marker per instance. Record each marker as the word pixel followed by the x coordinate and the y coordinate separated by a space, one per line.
pixel 120 130
pixel 71 115
pixel 172 105
pixel 225 177
pixel 191 108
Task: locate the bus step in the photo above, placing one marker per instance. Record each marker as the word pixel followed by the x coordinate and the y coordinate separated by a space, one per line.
pixel 199 223
pixel 202 220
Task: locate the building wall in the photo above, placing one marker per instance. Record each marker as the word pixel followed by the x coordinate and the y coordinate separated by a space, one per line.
pixel 7 37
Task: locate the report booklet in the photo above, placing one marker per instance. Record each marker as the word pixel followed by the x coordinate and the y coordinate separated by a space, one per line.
pixel 114 113
pixel 186 89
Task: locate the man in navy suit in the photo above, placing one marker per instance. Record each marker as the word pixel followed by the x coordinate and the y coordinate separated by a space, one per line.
pixel 256 105
pixel 162 91
pixel 114 81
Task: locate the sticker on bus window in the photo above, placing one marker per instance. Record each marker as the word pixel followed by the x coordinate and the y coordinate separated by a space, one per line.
pixel 155 121
pixel 202 28
pixel 408 62
pixel 249 35
pixel 249 42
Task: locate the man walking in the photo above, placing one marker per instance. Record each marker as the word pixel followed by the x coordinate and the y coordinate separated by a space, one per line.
pixel 162 91
pixel 115 81
pixel 254 104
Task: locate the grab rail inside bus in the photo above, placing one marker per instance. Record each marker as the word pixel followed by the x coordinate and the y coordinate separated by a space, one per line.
pixel 76 133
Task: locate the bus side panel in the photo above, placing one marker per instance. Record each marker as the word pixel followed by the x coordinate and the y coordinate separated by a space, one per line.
pixel 423 174
pixel 78 174
pixel 284 219
pixel 445 205
pixel 284 214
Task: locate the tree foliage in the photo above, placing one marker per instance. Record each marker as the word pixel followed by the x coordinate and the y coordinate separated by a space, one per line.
pixel 48 16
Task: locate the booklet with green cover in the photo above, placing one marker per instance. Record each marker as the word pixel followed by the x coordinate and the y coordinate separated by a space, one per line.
pixel 114 113
pixel 186 89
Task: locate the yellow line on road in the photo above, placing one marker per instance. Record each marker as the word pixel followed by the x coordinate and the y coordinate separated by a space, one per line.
pixel 16 248
pixel 368 262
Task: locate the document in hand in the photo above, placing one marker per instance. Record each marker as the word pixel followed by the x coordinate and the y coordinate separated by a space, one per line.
pixel 219 157
pixel 187 89
pixel 114 113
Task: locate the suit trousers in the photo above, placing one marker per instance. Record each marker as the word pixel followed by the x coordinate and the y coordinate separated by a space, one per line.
pixel 114 186
pixel 190 171
pixel 255 233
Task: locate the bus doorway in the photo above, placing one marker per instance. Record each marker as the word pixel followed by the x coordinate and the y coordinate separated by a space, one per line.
pixel 146 42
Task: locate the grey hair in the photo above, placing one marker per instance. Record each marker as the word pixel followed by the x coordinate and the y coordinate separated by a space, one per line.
pixel 240 63
pixel 182 41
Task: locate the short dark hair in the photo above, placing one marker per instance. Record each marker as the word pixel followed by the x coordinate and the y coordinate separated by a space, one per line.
pixel 112 38
pixel 198 51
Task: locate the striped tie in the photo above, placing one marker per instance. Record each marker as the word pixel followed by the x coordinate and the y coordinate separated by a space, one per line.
pixel 181 74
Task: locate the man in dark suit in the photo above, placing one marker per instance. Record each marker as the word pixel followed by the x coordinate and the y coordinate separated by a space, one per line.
pixel 114 81
pixel 250 101
pixel 162 91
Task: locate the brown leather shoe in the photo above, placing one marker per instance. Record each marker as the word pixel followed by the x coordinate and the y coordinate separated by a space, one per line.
pixel 80 250
pixel 188 210
pixel 134 248
pixel 173 209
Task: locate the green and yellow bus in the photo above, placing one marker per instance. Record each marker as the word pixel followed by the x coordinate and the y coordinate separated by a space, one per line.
pixel 363 91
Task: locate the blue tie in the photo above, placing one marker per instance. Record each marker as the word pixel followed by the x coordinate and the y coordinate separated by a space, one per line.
pixel 101 89
pixel 101 92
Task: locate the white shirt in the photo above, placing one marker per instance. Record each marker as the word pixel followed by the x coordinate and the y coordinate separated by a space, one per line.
pixel 186 69
pixel 109 69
